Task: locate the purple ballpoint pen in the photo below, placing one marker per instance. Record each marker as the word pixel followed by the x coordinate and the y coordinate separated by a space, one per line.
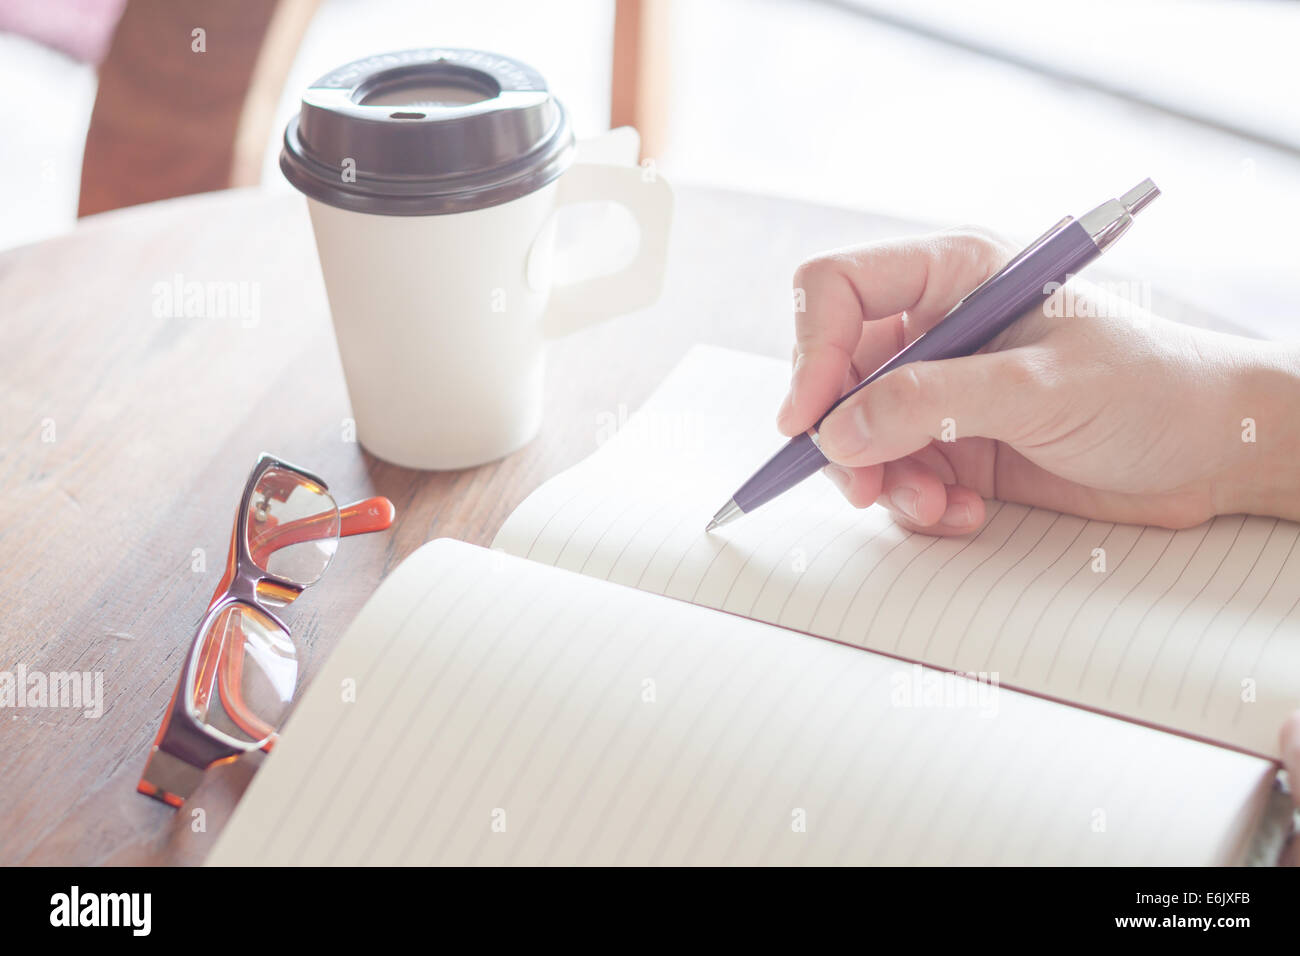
pixel 1026 281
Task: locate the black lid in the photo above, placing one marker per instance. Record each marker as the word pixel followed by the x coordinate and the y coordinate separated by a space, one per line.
pixel 426 132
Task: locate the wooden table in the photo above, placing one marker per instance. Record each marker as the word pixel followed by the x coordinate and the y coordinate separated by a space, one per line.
pixel 125 439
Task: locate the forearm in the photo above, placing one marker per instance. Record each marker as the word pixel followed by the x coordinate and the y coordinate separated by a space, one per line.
pixel 1264 474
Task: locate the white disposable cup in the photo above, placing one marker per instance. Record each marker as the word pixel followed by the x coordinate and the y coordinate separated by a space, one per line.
pixel 442 320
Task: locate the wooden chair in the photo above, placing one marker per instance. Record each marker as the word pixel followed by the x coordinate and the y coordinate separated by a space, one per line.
pixel 170 120
pixel 640 82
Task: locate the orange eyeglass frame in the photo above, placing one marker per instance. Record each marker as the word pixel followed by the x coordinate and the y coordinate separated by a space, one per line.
pixel 185 746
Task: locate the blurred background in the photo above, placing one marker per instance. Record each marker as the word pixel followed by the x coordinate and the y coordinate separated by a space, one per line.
pixel 1008 113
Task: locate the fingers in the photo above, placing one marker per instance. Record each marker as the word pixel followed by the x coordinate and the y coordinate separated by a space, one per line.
pixel 875 283
pixel 861 486
pixel 920 501
pixel 861 306
pixel 963 513
pixel 990 395
pixel 914 493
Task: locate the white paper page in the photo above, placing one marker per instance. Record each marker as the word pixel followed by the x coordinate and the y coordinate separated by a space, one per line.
pixel 486 710
pixel 1197 630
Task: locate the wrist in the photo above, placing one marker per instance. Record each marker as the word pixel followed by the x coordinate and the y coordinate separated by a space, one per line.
pixel 1264 474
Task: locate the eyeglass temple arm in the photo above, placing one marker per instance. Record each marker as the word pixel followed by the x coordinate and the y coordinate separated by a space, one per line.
pixel 360 517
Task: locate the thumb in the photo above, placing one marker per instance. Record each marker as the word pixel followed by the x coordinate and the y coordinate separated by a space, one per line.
pixel 990 395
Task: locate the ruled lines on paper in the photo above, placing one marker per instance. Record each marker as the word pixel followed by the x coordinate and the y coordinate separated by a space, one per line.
pixel 507 712
pixel 1197 630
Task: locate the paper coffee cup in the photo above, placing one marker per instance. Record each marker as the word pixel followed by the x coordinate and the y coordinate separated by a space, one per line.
pixel 432 177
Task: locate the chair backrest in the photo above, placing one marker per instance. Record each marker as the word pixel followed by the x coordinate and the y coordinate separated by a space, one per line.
pixel 640 76
pixel 188 91
pixel 187 95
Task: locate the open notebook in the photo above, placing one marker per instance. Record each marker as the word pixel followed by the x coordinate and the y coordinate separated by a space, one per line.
pixel 534 704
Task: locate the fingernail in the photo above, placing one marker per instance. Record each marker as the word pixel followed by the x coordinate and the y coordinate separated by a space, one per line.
pixel 794 375
pixel 785 407
pixel 845 432
pixel 860 423
pixel 841 476
pixel 956 515
pixel 904 499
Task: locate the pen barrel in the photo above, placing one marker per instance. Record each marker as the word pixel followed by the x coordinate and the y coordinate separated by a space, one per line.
pixel 798 458
pixel 976 320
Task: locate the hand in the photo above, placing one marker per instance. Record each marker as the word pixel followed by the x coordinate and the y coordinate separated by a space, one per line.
pixel 1126 418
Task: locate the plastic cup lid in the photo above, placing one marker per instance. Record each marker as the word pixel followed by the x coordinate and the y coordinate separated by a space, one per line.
pixel 426 132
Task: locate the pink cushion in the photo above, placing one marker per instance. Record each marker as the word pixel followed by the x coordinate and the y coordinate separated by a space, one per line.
pixel 82 29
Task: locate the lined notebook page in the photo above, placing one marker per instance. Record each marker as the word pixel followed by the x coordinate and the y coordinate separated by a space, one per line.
pixel 505 712
pixel 1197 630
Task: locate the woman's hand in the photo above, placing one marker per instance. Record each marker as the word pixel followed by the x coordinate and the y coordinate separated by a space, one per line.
pixel 1120 417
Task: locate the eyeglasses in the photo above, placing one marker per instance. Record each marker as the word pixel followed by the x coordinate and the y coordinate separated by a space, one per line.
pixel 242 668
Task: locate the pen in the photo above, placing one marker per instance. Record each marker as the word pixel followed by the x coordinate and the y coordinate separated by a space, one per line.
pixel 1027 280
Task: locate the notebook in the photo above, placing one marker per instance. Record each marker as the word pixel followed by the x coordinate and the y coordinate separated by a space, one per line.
pixel 809 685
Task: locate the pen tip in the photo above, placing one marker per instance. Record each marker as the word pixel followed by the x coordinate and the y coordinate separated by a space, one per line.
pixel 728 512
